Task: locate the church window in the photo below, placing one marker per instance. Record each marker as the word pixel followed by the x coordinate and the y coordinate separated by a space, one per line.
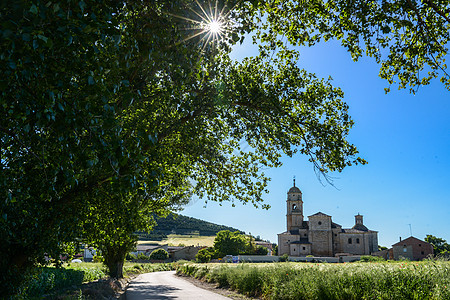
pixel 422 253
pixel 335 234
pixel 420 245
pixel 305 249
pixel 294 207
pixel 320 223
pixel 305 234
pixel 357 241
pixel 349 240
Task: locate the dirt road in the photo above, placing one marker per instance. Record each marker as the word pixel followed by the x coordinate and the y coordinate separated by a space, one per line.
pixel 167 286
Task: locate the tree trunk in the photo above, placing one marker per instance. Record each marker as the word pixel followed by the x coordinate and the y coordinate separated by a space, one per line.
pixel 116 268
pixel 114 258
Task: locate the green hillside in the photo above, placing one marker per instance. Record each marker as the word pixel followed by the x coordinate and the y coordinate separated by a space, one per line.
pixel 183 225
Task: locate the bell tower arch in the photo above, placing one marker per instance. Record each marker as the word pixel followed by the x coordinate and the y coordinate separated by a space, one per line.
pixel 294 216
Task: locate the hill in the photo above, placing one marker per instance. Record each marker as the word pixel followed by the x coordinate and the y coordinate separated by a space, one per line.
pixel 182 225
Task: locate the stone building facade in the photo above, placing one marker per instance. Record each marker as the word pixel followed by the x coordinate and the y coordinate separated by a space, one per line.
pixel 319 235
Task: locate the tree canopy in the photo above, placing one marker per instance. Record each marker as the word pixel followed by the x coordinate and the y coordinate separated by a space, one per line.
pixel 440 246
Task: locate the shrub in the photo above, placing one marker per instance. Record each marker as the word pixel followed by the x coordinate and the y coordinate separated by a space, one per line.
pixel 130 256
pixel 142 256
pixel 204 255
pixel 284 258
pixel 159 254
pixel 369 258
pixel 260 250
pixel 97 258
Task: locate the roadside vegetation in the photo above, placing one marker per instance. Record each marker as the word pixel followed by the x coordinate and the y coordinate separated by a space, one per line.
pixel 363 280
pixel 69 281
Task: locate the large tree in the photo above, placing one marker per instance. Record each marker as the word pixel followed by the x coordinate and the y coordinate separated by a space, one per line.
pixel 112 103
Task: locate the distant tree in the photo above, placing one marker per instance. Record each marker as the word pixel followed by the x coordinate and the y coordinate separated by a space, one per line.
pixel 205 255
pixel 380 248
pixel 274 249
pixel 441 247
pixel 260 250
pixel 159 254
pixel 230 243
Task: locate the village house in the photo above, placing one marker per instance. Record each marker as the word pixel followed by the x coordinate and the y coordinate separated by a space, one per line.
pixel 411 248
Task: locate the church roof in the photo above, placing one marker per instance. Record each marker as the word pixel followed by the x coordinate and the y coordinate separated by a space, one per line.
pixel 319 214
pixel 294 189
pixel 360 227
pixel 335 225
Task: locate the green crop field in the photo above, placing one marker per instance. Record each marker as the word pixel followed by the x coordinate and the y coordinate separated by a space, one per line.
pixel 381 280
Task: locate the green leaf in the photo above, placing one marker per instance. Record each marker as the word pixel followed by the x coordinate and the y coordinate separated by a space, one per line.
pixel 34 9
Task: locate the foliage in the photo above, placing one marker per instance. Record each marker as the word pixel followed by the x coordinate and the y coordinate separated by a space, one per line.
pixel 142 256
pixel 230 243
pixel 275 249
pixel 98 258
pixel 440 246
pixel 47 280
pixel 260 250
pixel 424 280
pixel 179 224
pixel 283 258
pixel 159 254
pixel 205 255
pixel 111 110
pixel 130 256
pixel 409 39
pixel 370 258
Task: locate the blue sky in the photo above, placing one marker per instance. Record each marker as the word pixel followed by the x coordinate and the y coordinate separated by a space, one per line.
pixel 404 137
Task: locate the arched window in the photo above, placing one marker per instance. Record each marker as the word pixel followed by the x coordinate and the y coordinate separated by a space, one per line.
pixel 294 206
pixel 350 240
pixel 357 241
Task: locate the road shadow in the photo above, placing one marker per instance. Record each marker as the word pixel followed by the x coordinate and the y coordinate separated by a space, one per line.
pixel 155 292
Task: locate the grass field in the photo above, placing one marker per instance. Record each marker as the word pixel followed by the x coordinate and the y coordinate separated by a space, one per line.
pixel 386 280
pixel 187 240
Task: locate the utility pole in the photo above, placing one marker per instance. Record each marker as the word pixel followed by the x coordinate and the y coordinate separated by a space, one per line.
pixel 410 230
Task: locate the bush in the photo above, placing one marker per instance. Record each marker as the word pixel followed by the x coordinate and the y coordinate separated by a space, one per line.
pixel 204 255
pixel 369 258
pixel 142 256
pixel 159 254
pixel 284 258
pixel 130 256
pixel 260 250
pixel 97 258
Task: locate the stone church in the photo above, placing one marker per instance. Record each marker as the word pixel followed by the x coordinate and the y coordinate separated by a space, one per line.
pixel 320 236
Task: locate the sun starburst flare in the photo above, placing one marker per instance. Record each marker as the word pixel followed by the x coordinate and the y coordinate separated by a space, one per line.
pixel 211 23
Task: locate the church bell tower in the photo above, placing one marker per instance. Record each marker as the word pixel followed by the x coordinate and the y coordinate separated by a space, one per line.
pixel 294 214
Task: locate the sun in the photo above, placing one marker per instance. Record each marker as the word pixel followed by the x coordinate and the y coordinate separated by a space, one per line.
pixel 211 23
pixel 214 26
